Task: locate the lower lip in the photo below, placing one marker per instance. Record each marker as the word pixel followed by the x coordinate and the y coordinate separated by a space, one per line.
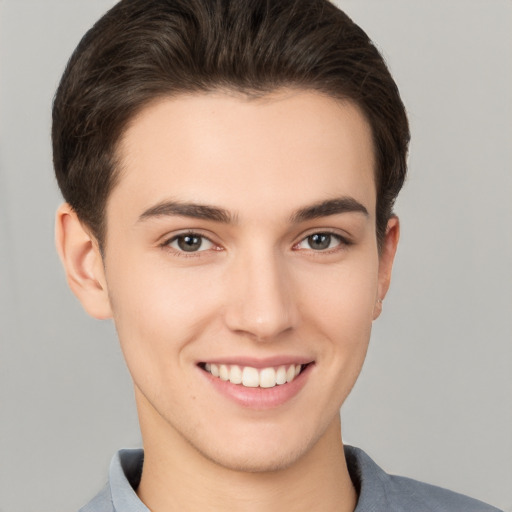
pixel 260 398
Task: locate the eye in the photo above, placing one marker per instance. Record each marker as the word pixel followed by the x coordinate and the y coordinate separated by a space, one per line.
pixel 190 242
pixel 320 242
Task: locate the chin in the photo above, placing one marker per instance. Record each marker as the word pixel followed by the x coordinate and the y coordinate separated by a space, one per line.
pixel 256 461
pixel 258 453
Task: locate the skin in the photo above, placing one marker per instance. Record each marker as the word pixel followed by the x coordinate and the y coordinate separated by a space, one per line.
pixel 257 288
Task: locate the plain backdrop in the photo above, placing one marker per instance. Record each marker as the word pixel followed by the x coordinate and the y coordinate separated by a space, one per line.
pixel 434 401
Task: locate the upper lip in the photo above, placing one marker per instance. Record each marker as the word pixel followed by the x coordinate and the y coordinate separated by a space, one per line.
pixel 257 362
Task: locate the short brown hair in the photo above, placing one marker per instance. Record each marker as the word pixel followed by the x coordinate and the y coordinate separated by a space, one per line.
pixel 144 49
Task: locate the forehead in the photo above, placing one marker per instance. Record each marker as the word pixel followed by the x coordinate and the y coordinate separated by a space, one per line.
pixel 286 148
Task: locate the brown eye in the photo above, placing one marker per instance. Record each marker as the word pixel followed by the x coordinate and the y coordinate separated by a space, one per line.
pixel 190 242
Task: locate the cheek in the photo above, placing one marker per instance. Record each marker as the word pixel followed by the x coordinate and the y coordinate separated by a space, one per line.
pixel 343 296
pixel 157 313
pixel 341 311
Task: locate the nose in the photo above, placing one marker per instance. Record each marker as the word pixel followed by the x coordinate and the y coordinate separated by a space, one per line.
pixel 261 301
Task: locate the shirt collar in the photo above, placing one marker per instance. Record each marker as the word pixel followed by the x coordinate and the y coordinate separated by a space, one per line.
pixel 124 477
pixel 126 469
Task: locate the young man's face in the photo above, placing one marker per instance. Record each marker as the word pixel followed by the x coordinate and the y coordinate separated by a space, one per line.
pixel 241 234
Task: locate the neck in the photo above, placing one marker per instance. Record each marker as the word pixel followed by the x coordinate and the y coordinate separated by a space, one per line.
pixel 176 477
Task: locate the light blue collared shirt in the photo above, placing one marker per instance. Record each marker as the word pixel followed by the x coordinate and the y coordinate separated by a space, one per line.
pixel 378 491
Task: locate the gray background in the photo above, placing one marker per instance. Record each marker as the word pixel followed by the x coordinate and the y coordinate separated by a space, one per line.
pixel 434 401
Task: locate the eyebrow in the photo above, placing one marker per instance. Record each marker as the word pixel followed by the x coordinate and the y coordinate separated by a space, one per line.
pixel 192 210
pixel 329 207
pixel 205 212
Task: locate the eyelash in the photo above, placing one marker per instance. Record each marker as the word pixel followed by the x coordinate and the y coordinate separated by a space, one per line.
pixel 188 254
pixel 342 243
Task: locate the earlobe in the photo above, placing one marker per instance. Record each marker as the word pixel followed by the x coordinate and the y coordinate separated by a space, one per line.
pixel 82 261
pixel 386 259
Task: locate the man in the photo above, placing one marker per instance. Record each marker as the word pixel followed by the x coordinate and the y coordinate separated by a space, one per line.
pixel 230 170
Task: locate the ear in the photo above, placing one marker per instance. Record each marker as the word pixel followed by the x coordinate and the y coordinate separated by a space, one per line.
pixel 81 257
pixel 386 258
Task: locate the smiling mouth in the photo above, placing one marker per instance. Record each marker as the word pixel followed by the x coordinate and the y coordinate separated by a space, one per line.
pixel 250 377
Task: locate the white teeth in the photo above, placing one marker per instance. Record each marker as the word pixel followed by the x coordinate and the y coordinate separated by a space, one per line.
pixel 235 375
pixel 252 377
pixel 267 378
pixel 281 375
pixel 223 372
